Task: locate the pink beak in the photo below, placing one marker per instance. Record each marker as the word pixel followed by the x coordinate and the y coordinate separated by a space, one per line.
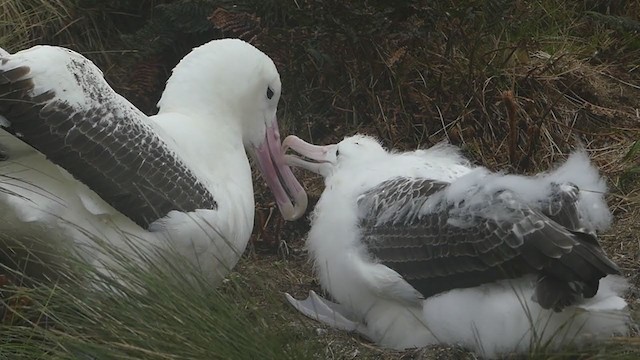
pixel 289 194
pixel 321 156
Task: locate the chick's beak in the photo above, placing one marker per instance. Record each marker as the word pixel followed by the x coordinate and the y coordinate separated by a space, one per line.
pixel 316 158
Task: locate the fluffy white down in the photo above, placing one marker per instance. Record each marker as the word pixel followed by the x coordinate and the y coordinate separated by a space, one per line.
pixel 489 319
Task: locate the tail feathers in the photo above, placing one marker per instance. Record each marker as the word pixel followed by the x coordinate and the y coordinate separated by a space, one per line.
pixel 553 293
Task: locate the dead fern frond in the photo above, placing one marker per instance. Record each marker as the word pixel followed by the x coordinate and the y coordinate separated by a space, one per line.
pixel 146 82
pixel 241 25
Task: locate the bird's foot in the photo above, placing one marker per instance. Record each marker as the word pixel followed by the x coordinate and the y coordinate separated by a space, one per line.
pixel 335 315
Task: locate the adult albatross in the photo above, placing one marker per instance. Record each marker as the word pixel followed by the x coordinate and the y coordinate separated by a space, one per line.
pixel 79 161
pixel 421 248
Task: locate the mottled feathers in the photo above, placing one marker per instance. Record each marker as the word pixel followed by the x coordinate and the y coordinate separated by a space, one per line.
pixel 439 242
pixel 101 139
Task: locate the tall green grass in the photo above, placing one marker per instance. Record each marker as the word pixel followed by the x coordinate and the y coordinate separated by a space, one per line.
pixel 25 22
pixel 140 308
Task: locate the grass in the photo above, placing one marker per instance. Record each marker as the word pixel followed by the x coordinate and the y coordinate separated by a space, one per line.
pixel 516 84
pixel 23 23
pixel 85 314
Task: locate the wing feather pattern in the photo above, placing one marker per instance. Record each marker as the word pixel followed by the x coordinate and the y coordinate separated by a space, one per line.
pixel 410 226
pixel 99 138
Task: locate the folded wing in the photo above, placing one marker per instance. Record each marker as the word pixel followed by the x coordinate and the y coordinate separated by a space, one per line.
pixel 58 102
pixel 437 245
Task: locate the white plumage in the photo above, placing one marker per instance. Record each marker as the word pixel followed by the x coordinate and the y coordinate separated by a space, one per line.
pixel 81 162
pixel 443 225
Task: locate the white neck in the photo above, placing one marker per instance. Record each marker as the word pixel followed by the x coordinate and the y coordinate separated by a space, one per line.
pixel 200 118
pixel 212 147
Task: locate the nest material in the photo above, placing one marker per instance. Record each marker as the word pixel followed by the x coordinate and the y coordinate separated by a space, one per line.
pixel 414 78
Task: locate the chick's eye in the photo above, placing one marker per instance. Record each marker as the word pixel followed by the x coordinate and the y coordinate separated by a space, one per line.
pixel 337 152
pixel 269 93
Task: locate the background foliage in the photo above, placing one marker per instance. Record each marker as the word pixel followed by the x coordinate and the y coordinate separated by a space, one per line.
pixel 517 84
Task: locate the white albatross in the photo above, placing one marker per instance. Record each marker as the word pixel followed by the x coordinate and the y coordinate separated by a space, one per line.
pixel 80 161
pixel 421 248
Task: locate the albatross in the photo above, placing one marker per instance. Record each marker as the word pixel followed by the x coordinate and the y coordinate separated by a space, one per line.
pixel 80 162
pixel 421 247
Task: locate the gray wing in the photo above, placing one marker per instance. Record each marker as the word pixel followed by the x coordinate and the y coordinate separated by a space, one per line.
pixel 561 205
pixel 436 247
pixel 105 143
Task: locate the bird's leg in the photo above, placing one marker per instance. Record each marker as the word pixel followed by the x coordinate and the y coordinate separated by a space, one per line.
pixel 329 313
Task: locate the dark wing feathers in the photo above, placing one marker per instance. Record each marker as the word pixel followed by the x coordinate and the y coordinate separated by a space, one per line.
pixel 446 248
pixel 561 205
pixel 106 146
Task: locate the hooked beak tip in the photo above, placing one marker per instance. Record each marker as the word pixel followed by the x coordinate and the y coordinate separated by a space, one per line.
pixel 294 210
pixel 290 197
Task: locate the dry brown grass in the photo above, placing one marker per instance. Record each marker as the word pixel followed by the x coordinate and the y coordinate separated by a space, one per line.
pixel 414 77
pixel 511 101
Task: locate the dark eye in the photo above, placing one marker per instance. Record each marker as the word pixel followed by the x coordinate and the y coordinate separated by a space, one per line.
pixel 269 93
pixel 337 152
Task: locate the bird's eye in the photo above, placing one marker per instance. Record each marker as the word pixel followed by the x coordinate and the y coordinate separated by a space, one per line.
pixel 269 93
pixel 337 152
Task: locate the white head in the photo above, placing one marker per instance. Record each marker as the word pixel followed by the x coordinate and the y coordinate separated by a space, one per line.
pixel 232 77
pixel 327 160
